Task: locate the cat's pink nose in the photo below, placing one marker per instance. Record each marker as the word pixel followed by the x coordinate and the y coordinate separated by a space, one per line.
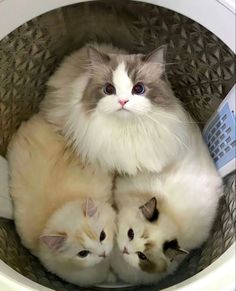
pixel 103 255
pixel 125 251
pixel 123 102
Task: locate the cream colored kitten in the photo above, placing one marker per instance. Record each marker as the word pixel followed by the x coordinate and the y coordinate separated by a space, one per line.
pixel 161 218
pixel 62 210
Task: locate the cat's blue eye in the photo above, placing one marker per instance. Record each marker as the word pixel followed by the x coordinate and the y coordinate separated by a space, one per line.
pixel 83 254
pixel 138 89
pixel 109 89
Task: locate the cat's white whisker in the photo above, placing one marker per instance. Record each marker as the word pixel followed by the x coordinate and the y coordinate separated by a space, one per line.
pixel 140 120
pixel 167 130
pixel 164 127
pixel 171 117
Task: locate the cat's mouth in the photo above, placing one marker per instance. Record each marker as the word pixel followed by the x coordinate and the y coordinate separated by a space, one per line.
pixel 123 109
pixel 103 255
pixel 123 112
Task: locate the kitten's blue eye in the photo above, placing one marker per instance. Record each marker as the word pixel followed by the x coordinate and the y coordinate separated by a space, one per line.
pixel 138 89
pixel 83 254
pixel 109 89
pixel 141 256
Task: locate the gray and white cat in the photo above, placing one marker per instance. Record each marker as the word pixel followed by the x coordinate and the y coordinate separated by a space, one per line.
pixel 118 111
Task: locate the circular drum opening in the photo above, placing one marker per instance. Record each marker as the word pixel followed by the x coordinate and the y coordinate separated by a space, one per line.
pixel 200 69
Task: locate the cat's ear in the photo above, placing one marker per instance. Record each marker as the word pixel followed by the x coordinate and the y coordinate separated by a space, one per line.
pixel 149 210
pixel 157 56
pixel 173 251
pixel 96 57
pixel 89 208
pixel 53 241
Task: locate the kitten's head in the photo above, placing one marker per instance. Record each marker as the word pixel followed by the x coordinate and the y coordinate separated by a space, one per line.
pixel 81 233
pixel 148 238
pixel 126 85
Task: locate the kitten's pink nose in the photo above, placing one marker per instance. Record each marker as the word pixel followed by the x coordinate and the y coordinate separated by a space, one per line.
pixel 125 251
pixel 123 102
pixel 103 255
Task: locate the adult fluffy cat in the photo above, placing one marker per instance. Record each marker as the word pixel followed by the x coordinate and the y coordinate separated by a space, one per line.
pixel 55 216
pixel 118 111
pixel 159 216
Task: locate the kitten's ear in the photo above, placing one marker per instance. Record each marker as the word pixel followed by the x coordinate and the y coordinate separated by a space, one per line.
pixel 53 241
pixel 157 56
pixel 89 208
pixel 173 251
pixel 149 210
pixel 96 57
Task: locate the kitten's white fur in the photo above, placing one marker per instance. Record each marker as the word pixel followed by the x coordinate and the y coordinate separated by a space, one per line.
pixel 49 188
pixel 187 196
pixel 147 137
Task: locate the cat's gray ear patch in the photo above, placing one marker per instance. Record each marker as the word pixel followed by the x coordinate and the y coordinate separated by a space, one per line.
pixel 173 251
pixel 149 210
pixel 53 241
pixel 97 57
pixel 89 208
pixel 157 56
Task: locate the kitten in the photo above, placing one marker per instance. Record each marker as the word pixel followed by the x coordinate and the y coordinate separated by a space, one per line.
pixel 161 218
pixel 122 102
pixel 62 209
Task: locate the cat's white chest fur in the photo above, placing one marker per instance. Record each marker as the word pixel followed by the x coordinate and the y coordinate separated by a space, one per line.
pixel 126 145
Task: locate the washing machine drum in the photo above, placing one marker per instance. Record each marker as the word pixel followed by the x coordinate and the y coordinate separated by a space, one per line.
pixel 199 66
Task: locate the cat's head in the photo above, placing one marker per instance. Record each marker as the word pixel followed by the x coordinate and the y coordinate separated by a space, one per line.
pixel 148 238
pixel 81 233
pixel 124 85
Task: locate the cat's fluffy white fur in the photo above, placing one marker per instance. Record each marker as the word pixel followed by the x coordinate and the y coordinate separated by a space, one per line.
pixel 148 137
pixel 187 199
pixel 60 206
